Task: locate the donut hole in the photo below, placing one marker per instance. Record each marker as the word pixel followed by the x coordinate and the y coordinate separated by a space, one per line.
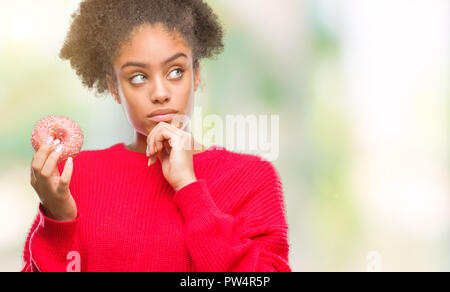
pixel 61 134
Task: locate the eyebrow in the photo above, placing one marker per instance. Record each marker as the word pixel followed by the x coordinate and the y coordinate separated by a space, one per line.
pixel 137 64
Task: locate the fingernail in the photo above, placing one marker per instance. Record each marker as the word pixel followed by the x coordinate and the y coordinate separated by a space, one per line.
pixel 56 142
pixel 147 152
pixel 49 140
pixel 151 160
pixel 59 149
pixel 69 160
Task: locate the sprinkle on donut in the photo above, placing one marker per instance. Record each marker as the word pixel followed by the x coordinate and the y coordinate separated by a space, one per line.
pixel 62 128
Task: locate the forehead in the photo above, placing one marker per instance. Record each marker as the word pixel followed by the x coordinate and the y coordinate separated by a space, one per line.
pixel 152 44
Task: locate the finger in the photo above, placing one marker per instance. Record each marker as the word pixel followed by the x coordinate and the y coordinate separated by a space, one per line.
pixel 153 147
pixel 159 146
pixel 56 170
pixel 178 132
pixel 165 134
pixel 164 152
pixel 51 162
pixel 66 176
pixel 189 143
pixel 150 143
pixel 176 127
pixel 180 121
pixel 161 155
pixel 167 146
pixel 185 139
pixel 156 140
pixel 42 154
pixel 33 178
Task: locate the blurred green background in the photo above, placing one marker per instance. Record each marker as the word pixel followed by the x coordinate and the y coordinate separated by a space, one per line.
pixel 362 90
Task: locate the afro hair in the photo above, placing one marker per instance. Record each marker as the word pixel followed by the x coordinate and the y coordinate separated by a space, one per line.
pixel 99 28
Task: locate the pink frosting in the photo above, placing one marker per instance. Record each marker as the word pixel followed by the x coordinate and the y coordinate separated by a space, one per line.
pixel 62 128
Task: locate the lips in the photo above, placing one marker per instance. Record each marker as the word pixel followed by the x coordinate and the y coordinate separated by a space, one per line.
pixel 162 112
pixel 162 118
pixel 162 115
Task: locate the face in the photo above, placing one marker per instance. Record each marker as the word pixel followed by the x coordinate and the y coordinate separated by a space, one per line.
pixel 154 70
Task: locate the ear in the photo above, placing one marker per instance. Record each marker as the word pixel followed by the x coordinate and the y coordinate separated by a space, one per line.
pixel 113 88
pixel 197 76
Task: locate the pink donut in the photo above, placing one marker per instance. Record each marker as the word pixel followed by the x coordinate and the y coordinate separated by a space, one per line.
pixel 62 128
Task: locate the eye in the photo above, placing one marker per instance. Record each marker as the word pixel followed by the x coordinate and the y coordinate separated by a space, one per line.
pixel 134 77
pixel 180 74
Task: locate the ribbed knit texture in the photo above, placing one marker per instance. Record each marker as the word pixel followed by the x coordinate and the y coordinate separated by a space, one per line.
pixel 232 219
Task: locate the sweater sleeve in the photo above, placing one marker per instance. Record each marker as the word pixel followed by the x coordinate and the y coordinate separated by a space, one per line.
pixel 50 244
pixel 255 240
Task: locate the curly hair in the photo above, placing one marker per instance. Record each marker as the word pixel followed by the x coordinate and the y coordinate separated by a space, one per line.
pixel 100 28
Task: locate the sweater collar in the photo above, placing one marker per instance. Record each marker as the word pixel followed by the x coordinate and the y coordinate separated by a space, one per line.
pixel 141 158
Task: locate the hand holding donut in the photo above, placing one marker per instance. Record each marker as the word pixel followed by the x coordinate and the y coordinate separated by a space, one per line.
pixel 174 148
pixel 53 189
pixel 55 138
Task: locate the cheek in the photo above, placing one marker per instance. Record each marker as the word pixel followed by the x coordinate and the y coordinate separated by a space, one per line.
pixel 132 104
pixel 136 108
pixel 186 87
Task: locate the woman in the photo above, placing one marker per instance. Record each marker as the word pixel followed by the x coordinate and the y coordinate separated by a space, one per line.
pixel 193 208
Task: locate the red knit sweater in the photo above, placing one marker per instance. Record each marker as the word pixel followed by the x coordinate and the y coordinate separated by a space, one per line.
pixel 130 219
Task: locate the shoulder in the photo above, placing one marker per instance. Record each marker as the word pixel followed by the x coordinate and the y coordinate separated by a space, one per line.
pixel 261 187
pixel 251 160
pixel 252 167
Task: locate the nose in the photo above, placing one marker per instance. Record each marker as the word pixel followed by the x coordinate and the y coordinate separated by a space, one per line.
pixel 161 94
pixel 160 99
